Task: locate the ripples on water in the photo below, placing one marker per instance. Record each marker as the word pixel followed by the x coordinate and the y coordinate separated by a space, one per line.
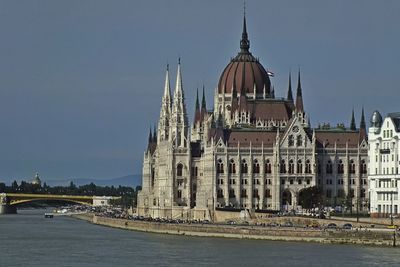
pixel 28 239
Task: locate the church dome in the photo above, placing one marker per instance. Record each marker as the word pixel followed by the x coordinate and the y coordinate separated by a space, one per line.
pixel 244 72
pixel 36 180
pixel 376 119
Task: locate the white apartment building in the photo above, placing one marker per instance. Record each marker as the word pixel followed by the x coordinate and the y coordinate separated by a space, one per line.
pixel 383 154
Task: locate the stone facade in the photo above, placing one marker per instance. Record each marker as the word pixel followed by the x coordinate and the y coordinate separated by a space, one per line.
pixel 252 151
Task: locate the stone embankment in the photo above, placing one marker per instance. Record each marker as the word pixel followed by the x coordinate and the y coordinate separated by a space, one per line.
pixel 363 237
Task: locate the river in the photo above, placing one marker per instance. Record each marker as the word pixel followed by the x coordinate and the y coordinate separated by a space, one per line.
pixel 28 239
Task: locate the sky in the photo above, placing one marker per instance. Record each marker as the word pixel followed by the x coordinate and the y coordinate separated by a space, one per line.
pixel 81 81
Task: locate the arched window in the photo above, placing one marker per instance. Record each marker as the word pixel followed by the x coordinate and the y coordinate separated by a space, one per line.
pixel 299 140
pixel 352 167
pixel 308 166
pixel 290 140
pixel 220 193
pixel 243 193
pixel 267 166
pixel 283 166
pixel 244 166
pixel 299 166
pixel 340 167
pixel 220 166
pixel 291 166
pixel 362 193
pixel 232 166
pixel 256 166
pixel 329 167
pixel 179 169
pixel 363 167
pixel 152 177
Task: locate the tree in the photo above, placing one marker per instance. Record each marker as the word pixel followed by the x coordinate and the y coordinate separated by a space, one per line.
pixel 310 197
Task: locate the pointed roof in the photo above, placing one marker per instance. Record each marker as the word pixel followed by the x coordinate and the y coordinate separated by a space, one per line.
pixel 299 97
pixel 150 136
pixel 155 134
pixel 289 93
pixel 363 130
pixel 353 121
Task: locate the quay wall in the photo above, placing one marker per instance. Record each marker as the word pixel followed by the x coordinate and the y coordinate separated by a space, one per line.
pixel 249 232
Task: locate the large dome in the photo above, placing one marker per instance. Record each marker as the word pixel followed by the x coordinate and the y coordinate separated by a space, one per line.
pixel 244 72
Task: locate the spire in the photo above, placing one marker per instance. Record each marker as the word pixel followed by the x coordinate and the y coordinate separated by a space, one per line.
pixel 244 42
pixel 289 93
pixel 167 90
pixel 353 121
pixel 299 97
pixel 154 134
pixel 197 99
pixel 362 123
pixel 197 109
pixel 178 87
pixel 203 100
pixel 150 136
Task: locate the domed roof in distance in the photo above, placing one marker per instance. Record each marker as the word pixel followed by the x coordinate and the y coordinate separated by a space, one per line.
pixel 36 180
pixel 376 119
pixel 244 72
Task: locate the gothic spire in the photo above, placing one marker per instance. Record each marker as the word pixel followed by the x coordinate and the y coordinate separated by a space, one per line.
pixel 155 134
pixel 203 101
pixel 197 99
pixel 178 87
pixel 289 93
pixel 353 121
pixel 197 108
pixel 244 42
pixel 167 90
pixel 299 96
pixel 150 136
pixel 362 123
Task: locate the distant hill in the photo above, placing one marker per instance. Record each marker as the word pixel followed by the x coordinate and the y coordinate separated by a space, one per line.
pixel 132 180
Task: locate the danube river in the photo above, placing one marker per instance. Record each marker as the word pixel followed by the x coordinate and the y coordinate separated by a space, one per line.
pixel 28 239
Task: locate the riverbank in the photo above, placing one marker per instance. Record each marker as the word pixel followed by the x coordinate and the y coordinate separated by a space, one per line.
pixel 364 237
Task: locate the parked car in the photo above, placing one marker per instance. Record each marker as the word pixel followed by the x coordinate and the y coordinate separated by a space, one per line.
pixel 347 226
pixel 332 226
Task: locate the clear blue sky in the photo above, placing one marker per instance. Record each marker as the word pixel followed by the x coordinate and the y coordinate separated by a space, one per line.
pixel 81 81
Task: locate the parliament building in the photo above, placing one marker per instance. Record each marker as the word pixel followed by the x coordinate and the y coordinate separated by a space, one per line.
pixel 253 151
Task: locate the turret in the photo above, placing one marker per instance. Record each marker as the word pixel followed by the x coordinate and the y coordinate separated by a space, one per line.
pixel 376 122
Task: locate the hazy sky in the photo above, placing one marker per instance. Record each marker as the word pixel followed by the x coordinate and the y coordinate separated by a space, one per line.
pixel 81 81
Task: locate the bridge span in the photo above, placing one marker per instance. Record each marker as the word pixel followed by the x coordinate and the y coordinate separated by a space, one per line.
pixel 9 201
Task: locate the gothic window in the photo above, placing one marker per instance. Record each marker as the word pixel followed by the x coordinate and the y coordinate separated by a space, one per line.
pixel 299 166
pixel 362 194
pixel 290 140
pixel 243 193
pixel 308 166
pixel 299 140
pixel 194 171
pixel 351 193
pixel 256 166
pixel 232 166
pixel 267 193
pixel 283 166
pixel 363 167
pixel 352 167
pixel 152 177
pixel 267 166
pixel 232 193
pixel 255 193
pixel 179 170
pixel 340 167
pixel 220 166
pixel 179 194
pixel 329 167
pixel 291 166
pixel 220 193
pixel 329 193
pixel 244 166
